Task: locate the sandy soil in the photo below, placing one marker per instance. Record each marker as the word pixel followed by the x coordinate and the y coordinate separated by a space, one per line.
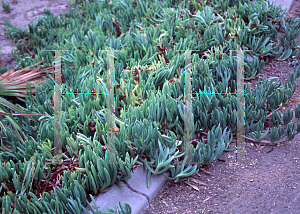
pixel 23 13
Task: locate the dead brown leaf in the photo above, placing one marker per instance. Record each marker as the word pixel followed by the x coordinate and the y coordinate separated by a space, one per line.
pixel 203 170
pixel 295 100
pixel 260 148
pixel 194 187
pixel 207 199
pixel 199 182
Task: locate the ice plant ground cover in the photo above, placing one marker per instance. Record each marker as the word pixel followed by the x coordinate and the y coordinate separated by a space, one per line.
pixel 149 94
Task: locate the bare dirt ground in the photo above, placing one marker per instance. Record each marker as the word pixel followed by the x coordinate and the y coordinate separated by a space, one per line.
pixel 270 184
pixel 23 13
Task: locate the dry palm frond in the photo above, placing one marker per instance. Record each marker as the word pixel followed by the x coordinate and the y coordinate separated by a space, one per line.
pixel 13 83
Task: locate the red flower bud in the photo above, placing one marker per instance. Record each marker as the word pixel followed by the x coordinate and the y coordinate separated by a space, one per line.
pixel 94 92
pixel 119 109
pixel 261 57
pixel 253 25
pixel 91 126
pixel 122 96
pixel 135 72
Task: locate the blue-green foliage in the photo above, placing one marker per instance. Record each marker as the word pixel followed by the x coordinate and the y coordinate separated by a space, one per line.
pixel 149 93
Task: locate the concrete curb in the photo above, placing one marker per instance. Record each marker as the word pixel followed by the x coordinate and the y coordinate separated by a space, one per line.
pixel 135 192
pixel 285 4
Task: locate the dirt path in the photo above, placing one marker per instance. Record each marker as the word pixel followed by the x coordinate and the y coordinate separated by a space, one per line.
pixel 23 13
pixel 270 185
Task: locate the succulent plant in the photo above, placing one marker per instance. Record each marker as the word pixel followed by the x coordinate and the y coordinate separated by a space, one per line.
pixel 153 126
